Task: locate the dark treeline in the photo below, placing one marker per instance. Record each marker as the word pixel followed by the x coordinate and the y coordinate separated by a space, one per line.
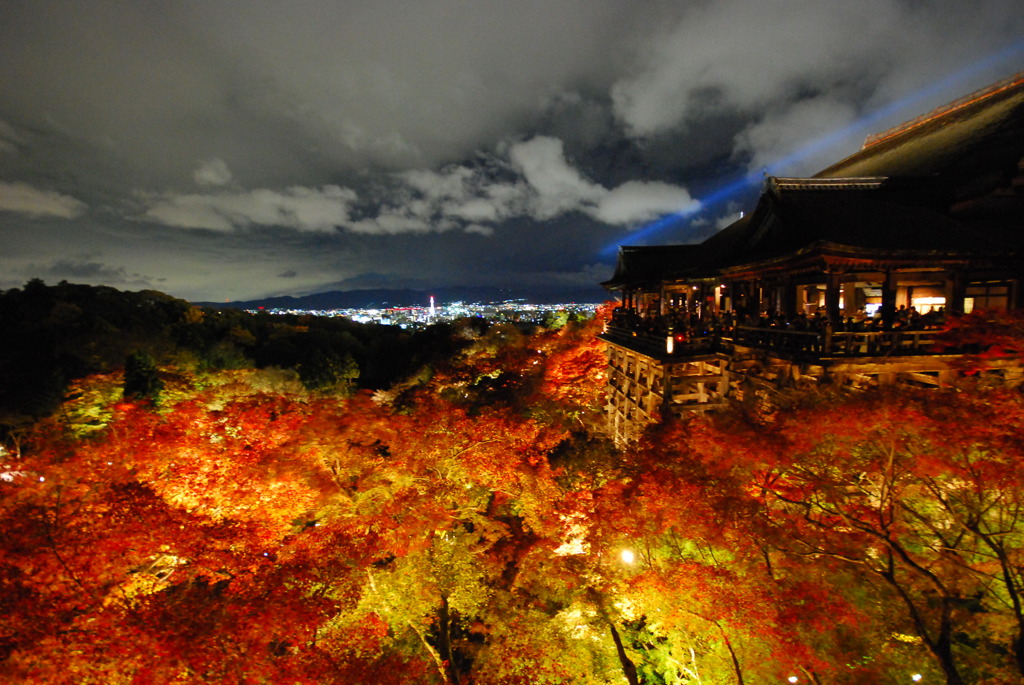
pixel 53 335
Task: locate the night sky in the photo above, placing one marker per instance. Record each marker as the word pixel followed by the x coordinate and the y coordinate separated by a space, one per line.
pixel 233 150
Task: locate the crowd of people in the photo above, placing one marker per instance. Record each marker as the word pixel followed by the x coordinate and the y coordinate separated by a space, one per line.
pixel 686 324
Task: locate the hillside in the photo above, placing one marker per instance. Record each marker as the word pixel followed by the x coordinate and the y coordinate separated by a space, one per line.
pixel 57 334
pixel 383 298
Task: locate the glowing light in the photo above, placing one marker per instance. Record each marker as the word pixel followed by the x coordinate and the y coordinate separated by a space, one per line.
pixel 792 679
pixel 627 556
pixel 916 677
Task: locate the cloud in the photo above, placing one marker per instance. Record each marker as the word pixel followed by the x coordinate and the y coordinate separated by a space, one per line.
pixel 767 69
pixel 795 127
pixel 303 209
pixel 84 269
pixel 26 199
pixel 557 187
pixel 531 179
pixel 716 58
pixel 476 209
pixel 458 193
pixel 637 201
pixel 213 172
pixel 396 222
pixel 325 210
pixel 479 229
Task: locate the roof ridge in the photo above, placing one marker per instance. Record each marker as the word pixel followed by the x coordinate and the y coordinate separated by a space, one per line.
pixel 839 182
pixel 946 109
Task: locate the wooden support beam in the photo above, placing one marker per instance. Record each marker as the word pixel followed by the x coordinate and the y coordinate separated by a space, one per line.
pixel 833 291
pixel 889 290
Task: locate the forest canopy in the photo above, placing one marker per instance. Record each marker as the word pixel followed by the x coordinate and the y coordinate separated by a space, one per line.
pixel 182 517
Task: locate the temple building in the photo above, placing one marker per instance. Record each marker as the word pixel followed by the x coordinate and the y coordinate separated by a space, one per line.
pixel 842 278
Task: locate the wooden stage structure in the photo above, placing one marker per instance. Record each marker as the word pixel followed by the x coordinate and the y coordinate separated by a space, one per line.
pixel 841 279
pixel 766 367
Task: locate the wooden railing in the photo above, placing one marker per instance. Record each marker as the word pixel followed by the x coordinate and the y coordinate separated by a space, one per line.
pixel 799 343
pixel 839 343
pixel 780 339
pixel 656 344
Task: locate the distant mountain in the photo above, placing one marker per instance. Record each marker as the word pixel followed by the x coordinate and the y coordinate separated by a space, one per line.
pixel 384 298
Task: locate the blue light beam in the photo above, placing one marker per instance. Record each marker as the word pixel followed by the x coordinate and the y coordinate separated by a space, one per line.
pixel 734 187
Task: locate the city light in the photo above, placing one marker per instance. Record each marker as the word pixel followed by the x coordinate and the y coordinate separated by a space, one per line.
pixel 417 317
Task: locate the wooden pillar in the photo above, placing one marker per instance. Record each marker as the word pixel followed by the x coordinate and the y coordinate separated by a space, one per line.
pixel 833 284
pixel 849 297
pixel 889 288
pixel 790 306
pixel 743 301
pixel 666 389
pixel 956 291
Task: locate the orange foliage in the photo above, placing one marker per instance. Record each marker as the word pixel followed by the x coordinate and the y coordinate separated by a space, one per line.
pixel 442 533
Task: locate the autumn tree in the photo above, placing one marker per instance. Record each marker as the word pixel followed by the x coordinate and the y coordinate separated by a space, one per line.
pixel 677 536
pixel 246 529
pixel 471 525
pixel 922 493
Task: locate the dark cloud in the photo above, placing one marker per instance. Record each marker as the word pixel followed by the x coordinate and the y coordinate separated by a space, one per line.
pixel 232 151
pixel 84 271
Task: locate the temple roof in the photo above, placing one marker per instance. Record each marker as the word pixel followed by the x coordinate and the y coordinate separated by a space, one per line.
pixel 792 215
pixel 967 142
pixel 950 182
pixel 639 264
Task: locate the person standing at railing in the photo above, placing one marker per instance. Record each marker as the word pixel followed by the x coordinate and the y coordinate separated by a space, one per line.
pixel 914 318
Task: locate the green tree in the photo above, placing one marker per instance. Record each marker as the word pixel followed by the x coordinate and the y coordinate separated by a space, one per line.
pixel 325 371
pixel 142 378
